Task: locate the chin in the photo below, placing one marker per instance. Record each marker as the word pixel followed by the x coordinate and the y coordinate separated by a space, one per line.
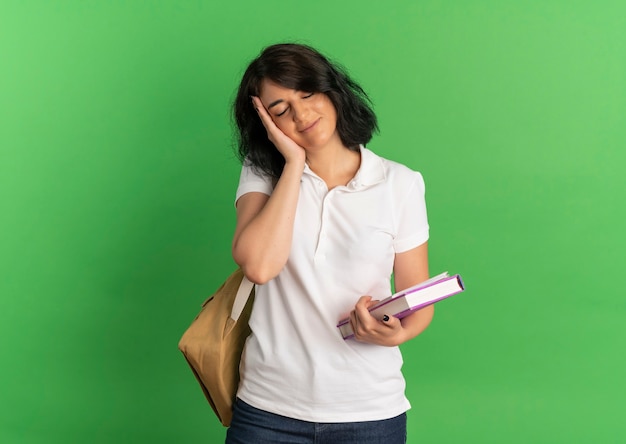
pixel 314 146
pixel 318 142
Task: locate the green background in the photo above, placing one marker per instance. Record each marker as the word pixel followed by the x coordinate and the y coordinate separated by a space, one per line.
pixel 117 179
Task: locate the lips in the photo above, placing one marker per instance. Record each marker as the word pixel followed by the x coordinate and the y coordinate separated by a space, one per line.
pixel 309 127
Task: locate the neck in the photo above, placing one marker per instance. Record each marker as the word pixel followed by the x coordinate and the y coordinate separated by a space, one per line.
pixel 335 165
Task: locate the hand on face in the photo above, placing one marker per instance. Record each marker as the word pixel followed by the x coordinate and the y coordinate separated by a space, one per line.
pixel 291 151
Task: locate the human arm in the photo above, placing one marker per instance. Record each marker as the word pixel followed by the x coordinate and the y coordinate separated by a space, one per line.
pixel 264 229
pixel 410 268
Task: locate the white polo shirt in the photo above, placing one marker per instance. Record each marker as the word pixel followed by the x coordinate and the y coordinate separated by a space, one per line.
pixel 296 362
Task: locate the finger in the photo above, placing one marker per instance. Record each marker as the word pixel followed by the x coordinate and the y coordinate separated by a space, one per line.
pixel 274 133
pixel 263 114
pixel 367 324
pixel 364 323
pixel 372 303
pixel 362 306
pixel 354 323
pixel 390 321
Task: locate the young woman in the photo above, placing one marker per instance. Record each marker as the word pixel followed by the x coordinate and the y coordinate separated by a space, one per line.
pixel 322 223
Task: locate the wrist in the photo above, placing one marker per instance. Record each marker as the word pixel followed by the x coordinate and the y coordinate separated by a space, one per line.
pixel 294 165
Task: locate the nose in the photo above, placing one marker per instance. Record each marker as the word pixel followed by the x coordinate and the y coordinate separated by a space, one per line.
pixel 300 112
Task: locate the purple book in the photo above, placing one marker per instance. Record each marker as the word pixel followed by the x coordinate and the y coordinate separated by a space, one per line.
pixel 411 299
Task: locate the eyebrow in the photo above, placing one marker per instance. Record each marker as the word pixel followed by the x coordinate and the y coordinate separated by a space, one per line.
pixel 274 103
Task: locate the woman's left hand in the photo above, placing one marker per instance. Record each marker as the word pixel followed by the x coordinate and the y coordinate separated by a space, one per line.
pixel 410 268
pixel 388 332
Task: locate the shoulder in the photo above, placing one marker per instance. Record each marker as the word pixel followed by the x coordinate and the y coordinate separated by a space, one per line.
pixel 250 172
pixel 252 180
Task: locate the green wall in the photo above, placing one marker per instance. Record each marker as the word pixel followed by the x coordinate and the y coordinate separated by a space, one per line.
pixel 117 180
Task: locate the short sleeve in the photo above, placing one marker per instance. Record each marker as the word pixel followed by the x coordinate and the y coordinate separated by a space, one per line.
pixel 251 181
pixel 411 220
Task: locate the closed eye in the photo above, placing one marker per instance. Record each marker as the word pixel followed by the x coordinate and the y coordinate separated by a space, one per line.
pixel 287 109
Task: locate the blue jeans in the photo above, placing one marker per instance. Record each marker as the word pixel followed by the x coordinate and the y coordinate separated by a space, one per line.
pixel 253 426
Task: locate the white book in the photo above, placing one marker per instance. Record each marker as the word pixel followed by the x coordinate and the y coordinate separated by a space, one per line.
pixel 411 299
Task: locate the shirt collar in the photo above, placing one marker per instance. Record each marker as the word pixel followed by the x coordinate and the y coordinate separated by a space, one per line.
pixel 370 172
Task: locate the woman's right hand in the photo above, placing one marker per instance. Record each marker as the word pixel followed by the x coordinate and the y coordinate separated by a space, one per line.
pixel 291 151
pixel 262 240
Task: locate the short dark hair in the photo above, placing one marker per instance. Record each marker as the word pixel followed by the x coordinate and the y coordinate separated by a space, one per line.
pixel 300 67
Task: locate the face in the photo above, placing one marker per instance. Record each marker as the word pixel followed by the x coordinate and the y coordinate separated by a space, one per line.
pixel 309 119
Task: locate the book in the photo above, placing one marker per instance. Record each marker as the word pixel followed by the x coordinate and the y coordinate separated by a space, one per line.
pixel 411 299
